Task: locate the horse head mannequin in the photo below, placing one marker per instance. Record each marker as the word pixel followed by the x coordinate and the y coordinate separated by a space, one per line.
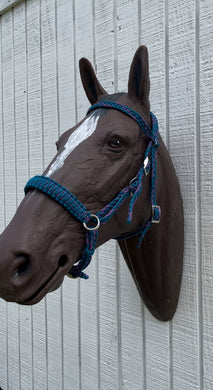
pixel 97 177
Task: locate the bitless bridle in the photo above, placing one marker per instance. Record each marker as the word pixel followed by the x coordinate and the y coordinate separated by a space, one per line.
pixel 92 222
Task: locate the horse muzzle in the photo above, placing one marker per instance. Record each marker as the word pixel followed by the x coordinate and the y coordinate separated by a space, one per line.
pixel 30 268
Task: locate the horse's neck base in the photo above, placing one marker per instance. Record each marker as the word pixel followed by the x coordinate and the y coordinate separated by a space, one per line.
pixel 156 266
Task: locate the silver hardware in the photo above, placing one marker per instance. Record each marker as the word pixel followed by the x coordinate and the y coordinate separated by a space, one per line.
pixel 94 227
pixel 154 208
pixel 132 181
pixel 145 164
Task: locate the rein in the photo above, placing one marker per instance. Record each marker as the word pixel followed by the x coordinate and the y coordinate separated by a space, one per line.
pixel 92 222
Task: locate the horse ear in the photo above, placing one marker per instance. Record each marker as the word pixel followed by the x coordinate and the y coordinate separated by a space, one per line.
pixel 91 85
pixel 139 84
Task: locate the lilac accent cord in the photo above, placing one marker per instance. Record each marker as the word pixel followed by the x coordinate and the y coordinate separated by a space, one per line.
pixel 69 201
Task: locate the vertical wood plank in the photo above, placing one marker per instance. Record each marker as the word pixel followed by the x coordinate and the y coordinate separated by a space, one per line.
pixel 35 136
pixel 157 334
pixel 8 116
pixel 50 136
pixel 83 31
pixel 22 169
pixel 109 317
pixel 67 119
pixel 20 74
pixel 3 305
pixel 153 34
pixel 89 331
pixel 34 88
pixel 105 33
pixel 13 379
pixel 2 187
pixel 66 63
pixel 127 39
pixel 3 341
pixel 205 164
pixel 49 79
pixel 186 368
pixel 131 312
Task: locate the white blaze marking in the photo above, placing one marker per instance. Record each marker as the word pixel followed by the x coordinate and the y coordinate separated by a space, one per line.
pixel 82 132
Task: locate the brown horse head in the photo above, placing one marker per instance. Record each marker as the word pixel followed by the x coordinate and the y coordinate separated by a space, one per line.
pixel 96 164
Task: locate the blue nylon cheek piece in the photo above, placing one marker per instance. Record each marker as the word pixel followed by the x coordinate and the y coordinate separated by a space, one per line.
pixel 69 201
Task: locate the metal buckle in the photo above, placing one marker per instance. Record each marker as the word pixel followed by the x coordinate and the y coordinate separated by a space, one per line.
pixel 94 227
pixel 145 165
pixel 156 214
pixel 133 186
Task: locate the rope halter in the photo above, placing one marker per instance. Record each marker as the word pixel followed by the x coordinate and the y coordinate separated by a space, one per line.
pixel 92 222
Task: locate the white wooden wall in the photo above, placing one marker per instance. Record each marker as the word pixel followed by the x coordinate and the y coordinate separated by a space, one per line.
pixel 96 334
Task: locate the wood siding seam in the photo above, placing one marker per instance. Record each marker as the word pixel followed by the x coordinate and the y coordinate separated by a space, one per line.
pixel 4 309
pixel 167 137
pixel 198 188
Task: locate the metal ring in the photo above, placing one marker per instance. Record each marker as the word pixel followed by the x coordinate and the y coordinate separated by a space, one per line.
pixel 132 181
pixel 97 223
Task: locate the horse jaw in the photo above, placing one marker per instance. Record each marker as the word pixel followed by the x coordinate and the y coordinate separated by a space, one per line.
pixel 156 266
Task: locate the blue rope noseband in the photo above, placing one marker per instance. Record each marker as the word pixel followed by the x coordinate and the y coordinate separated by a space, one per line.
pixel 91 222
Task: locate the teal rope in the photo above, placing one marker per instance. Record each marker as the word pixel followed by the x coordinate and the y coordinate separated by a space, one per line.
pixel 60 194
pixel 69 201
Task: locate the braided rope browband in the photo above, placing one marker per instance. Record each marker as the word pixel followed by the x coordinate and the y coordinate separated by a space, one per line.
pixel 69 201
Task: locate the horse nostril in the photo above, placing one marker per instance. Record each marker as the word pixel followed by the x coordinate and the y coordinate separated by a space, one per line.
pixel 23 265
pixel 62 261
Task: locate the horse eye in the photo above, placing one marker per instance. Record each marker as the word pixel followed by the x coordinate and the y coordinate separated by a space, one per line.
pixel 114 142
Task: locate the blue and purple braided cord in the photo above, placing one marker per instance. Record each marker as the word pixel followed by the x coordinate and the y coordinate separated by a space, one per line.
pixel 60 194
pixel 150 133
pixel 69 201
